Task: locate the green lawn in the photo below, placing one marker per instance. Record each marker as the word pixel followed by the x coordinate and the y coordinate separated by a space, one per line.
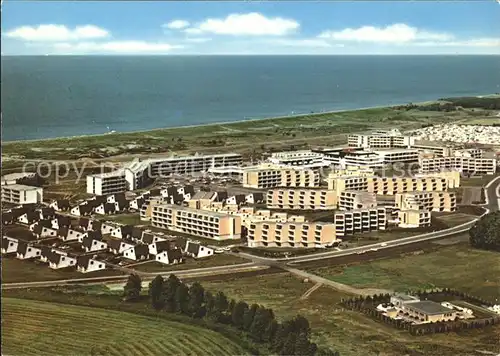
pixel 40 328
pixel 459 266
pixel 191 263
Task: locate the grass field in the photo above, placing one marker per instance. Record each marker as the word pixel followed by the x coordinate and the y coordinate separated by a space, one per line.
pixel 127 219
pixel 41 328
pixel 458 266
pixel 16 271
pixel 351 333
pixel 191 263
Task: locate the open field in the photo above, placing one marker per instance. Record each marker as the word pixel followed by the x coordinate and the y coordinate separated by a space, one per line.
pixel 348 332
pixel 41 328
pixel 127 219
pixel 191 263
pixel 458 266
pixel 16 271
pixel 249 137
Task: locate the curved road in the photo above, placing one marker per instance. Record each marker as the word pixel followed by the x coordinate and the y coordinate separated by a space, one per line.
pixel 492 196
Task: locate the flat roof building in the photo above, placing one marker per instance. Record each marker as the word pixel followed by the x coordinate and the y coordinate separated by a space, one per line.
pixel 350 157
pixel 268 176
pixel 414 218
pixel 465 165
pixel 290 234
pixel 107 183
pixel 427 201
pixel 353 200
pixel 381 139
pixel 359 221
pixel 397 155
pixel 21 194
pixel 201 223
pixel 301 199
pixel 302 158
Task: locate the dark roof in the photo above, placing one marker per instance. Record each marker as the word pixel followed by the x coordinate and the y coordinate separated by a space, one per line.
pixel 33 216
pixel 17 212
pixel 109 208
pixel 174 254
pixel 62 231
pixel 37 229
pixel 114 244
pixel 95 234
pixel 120 197
pixel 126 230
pixel 258 197
pixel 428 307
pixel 181 243
pixel 96 224
pixel 193 248
pixel 45 223
pixel 189 189
pixel 63 204
pixel 89 205
pixel 141 250
pixel 221 196
pixel 63 220
pixel 53 257
pixel 7 217
pixel 122 204
pixel 87 241
pixel 155 191
pixel 148 237
pixel 140 201
pixel 22 247
pixel 171 191
pixel 163 246
pixel 99 199
pixel 240 198
pixel 82 261
pixel 47 212
pixel 136 233
pixel 84 222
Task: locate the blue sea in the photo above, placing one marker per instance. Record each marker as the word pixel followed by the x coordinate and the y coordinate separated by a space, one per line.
pixel 51 96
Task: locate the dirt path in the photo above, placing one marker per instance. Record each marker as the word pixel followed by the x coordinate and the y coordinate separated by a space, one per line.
pixel 310 291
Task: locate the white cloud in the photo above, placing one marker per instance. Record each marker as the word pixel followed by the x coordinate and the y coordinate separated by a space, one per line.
pixel 395 34
pixel 121 47
pixel 49 33
pixel 304 42
pixel 479 42
pixel 251 24
pixel 198 39
pixel 177 24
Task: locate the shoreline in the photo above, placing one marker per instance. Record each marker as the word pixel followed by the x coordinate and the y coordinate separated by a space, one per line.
pixel 295 116
pixel 213 123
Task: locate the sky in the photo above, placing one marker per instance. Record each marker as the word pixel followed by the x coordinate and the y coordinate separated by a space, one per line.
pixel 250 27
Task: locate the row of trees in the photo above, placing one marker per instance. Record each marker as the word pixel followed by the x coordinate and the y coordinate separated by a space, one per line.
pixel 290 337
pixel 485 234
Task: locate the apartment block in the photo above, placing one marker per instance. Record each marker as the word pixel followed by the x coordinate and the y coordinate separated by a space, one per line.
pixel 201 223
pixel 428 201
pixel 351 171
pixel 353 200
pixel 465 165
pixel 359 221
pixel 193 164
pixel 290 234
pixel 351 157
pixel 302 158
pixel 452 177
pixel 381 140
pixel 138 175
pixel 387 185
pixel 301 199
pixel 107 183
pixel 21 194
pixel 272 176
pixel 394 155
pixel 414 218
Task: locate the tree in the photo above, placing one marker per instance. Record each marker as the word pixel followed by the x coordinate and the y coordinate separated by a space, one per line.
pixel 248 316
pixel 289 345
pixel 132 289
pixel 270 332
pixel 238 314
pixel 261 321
pixel 220 307
pixel 196 298
pixel 182 299
pixel 326 352
pixel 485 233
pixel 209 303
pixel 169 290
pixel 156 293
pixel 303 346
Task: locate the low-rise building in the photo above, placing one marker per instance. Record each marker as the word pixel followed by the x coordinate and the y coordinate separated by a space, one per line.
pixel 267 176
pixel 290 234
pixel 9 245
pixel 202 223
pixel 350 157
pixel 301 158
pixel 423 311
pixel 21 194
pixel 352 200
pixel 301 199
pixel 397 155
pixel 465 165
pixel 381 139
pixel 413 218
pixel 428 201
pixel 359 221
pixel 86 264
